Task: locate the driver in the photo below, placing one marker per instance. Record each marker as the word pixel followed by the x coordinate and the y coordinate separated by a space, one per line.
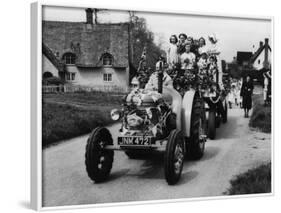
pixel 152 83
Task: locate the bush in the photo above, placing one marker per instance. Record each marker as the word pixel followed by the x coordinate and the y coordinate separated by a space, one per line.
pixel 261 116
pixel 62 121
pixel 254 181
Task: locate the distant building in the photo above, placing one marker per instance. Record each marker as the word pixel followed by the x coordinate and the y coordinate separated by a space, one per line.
pixel 248 63
pixel 243 58
pixel 87 54
pixel 261 59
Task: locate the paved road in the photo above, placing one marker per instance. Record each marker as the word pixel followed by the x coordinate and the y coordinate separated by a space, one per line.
pixel 235 150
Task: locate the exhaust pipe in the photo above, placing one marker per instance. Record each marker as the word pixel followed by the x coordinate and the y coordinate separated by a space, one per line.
pixel 160 78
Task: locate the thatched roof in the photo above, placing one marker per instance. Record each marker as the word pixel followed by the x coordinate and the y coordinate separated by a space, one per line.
pixel 88 42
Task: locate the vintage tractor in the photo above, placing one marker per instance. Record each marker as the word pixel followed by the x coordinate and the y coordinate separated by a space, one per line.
pixel 214 96
pixel 161 121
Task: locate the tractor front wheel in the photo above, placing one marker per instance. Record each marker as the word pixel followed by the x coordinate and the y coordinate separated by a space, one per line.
pixel 97 159
pixel 174 157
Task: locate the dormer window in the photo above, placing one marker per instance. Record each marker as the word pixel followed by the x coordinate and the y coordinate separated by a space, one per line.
pixel 107 59
pixel 69 58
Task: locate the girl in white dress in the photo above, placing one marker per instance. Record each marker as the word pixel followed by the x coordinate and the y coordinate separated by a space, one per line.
pixel 172 53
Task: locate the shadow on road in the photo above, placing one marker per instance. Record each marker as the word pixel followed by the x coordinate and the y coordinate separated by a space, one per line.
pixel 210 152
pixel 187 177
pixel 115 175
pixel 228 130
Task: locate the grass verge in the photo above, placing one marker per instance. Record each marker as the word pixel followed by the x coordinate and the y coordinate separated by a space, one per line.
pixel 261 116
pixel 65 116
pixel 257 180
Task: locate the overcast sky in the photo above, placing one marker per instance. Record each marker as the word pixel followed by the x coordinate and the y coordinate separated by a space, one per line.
pixel 233 34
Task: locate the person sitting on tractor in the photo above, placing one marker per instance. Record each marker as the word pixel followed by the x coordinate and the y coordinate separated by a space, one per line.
pixel 202 46
pixel 187 59
pixel 203 72
pixel 182 42
pixel 172 53
pixel 213 68
pixel 152 83
pixel 203 65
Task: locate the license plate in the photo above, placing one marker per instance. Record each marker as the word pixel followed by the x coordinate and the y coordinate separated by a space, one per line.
pixel 143 141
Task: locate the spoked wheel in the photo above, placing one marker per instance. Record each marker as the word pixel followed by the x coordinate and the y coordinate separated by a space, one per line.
pixel 174 157
pixel 97 159
pixel 196 145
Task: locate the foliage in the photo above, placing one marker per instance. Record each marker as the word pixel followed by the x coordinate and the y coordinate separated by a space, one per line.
pixel 257 180
pixel 261 116
pixel 143 37
pixel 66 116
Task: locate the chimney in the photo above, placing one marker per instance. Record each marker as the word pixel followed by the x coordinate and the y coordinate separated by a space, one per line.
pixel 266 62
pixel 261 43
pixel 89 15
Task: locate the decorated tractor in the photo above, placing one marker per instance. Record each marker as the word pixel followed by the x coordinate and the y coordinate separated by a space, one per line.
pixel 151 121
pixel 216 108
pixel 212 92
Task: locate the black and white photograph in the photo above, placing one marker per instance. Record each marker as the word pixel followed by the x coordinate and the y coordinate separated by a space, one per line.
pixel 144 106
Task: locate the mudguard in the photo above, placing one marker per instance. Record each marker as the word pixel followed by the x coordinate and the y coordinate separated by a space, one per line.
pixel 187 104
pixel 176 102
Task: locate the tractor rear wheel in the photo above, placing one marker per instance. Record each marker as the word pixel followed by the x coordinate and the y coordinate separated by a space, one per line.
pixel 98 160
pixel 196 145
pixel 212 124
pixel 174 157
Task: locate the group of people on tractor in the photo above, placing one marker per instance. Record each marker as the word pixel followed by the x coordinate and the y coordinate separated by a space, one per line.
pixel 189 62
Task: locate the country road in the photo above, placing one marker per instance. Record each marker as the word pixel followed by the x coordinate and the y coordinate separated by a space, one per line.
pixel 235 150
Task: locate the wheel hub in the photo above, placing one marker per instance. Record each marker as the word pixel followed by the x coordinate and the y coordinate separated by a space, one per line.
pixel 178 160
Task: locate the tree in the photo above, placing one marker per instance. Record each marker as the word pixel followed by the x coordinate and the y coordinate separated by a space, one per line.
pixel 142 37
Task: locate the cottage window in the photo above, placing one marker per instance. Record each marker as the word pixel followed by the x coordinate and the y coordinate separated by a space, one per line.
pixel 107 77
pixel 107 59
pixel 70 76
pixel 259 61
pixel 69 58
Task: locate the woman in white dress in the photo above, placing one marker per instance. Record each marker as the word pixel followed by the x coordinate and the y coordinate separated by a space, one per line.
pixel 214 50
pixel 172 53
pixel 202 46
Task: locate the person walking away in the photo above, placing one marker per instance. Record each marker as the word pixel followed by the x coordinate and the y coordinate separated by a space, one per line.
pixel 172 53
pixel 246 93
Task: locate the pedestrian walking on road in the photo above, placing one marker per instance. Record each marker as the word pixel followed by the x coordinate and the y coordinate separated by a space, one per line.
pixel 246 94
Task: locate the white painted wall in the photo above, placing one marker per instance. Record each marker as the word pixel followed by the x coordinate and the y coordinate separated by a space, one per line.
pixel 94 77
pixel 260 58
pixel 47 66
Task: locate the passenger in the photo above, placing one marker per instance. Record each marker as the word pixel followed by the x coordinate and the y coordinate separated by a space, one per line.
pixel 193 47
pixel 187 59
pixel 214 50
pixel 213 69
pixel 182 43
pixel 202 46
pixel 203 65
pixel 172 53
pixel 152 83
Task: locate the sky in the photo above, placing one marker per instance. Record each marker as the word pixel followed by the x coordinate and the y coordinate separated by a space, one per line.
pixel 233 34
